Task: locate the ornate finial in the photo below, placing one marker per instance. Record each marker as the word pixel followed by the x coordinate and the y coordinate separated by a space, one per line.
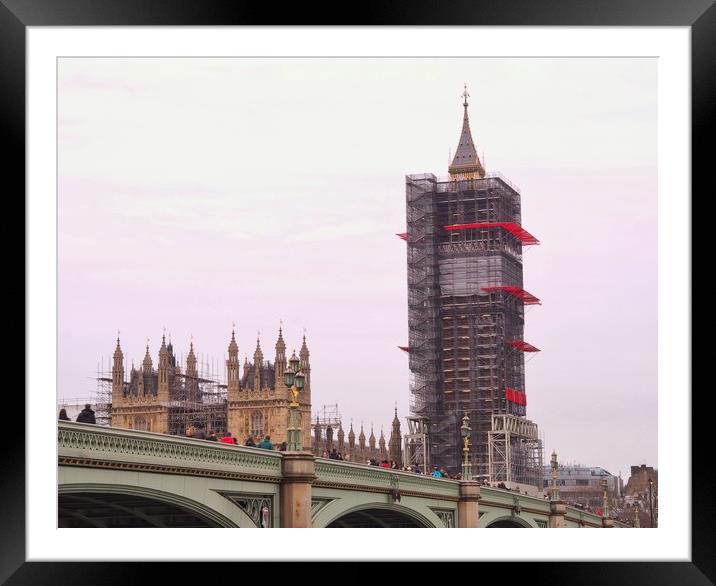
pixel 466 96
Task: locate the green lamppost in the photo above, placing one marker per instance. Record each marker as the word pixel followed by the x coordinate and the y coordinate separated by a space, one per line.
pixel 465 432
pixel 294 379
pixel 555 486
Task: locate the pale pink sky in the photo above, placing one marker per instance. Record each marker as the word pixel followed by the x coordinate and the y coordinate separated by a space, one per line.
pixel 198 192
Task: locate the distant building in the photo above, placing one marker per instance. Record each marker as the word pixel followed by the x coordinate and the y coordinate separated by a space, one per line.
pixel 583 485
pixel 329 434
pixel 168 400
pixel 638 483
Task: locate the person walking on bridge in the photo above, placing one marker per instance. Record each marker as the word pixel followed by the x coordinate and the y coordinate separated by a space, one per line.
pixel 86 415
pixel 266 443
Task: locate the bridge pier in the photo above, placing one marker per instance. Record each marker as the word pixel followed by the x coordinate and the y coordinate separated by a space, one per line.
pixel 557 512
pixel 468 514
pixel 299 472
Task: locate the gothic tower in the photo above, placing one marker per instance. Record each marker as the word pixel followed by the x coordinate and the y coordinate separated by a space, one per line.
pixel 117 375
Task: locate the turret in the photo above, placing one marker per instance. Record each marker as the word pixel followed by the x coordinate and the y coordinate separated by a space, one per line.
pixel 341 438
pixel 318 448
pixel 258 363
pixel 396 440
pixel 306 369
pixel 381 446
pixel 361 443
pixel 351 442
pixel 280 360
pixel 232 368
pixel 163 392
pixel 145 377
pixel 329 438
pixel 192 375
pixel 117 374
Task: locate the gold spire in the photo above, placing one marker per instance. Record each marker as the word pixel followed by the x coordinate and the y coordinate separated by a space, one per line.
pixel 466 164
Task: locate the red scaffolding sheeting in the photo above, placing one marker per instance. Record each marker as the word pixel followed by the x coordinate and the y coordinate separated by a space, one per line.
pixel 514 229
pixel 521 294
pixel 516 396
pixel 522 345
pixel 403 235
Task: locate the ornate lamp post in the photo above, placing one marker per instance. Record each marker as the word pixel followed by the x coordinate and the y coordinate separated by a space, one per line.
pixel 294 379
pixel 605 498
pixel 465 432
pixel 651 506
pixel 555 487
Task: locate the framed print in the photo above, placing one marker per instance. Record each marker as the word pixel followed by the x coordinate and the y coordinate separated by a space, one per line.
pixel 222 212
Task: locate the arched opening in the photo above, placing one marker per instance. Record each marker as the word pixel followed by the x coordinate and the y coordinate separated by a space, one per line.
pixel 93 509
pixel 375 518
pixel 509 523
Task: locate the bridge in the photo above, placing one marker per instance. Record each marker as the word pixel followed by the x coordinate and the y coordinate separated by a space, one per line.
pixel 111 477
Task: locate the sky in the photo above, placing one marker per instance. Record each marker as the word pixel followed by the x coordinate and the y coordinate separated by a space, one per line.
pixel 198 193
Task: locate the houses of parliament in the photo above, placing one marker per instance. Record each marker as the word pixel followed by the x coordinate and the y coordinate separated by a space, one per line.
pixel 252 401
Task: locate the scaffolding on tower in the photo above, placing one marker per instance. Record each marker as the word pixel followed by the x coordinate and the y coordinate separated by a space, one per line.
pixel 466 306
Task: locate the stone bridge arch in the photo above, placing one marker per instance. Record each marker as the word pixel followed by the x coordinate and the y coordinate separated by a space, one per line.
pixel 140 498
pixel 508 521
pixel 373 514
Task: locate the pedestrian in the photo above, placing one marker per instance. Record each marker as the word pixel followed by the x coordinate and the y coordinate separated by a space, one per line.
pixel 63 415
pixel 436 473
pixel 444 472
pixel 393 465
pixel 416 469
pixel 227 439
pixel 266 443
pixel 190 431
pixel 212 436
pixel 250 442
pixel 283 447
pixel 86 415
pixel 334 454
pixel 199 432
pixel 384 464
pixel 340 457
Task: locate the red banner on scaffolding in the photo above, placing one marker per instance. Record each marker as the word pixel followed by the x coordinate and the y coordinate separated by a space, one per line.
pixel 515 229
pixel 516 292
pixel 522 345
pixel 515 396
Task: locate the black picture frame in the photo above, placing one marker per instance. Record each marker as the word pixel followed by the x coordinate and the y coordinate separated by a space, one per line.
pixel 16 15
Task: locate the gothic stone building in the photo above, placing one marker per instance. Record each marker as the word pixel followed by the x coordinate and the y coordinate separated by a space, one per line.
pixel 167 400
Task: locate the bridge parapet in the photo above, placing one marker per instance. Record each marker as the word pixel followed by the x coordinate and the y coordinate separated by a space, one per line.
pixel 346 474
pixel 92 445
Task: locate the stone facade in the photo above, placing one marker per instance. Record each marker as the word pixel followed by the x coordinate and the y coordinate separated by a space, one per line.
pixel 255 403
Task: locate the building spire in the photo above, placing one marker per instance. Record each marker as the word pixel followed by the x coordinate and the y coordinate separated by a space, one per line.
pixel 466 164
